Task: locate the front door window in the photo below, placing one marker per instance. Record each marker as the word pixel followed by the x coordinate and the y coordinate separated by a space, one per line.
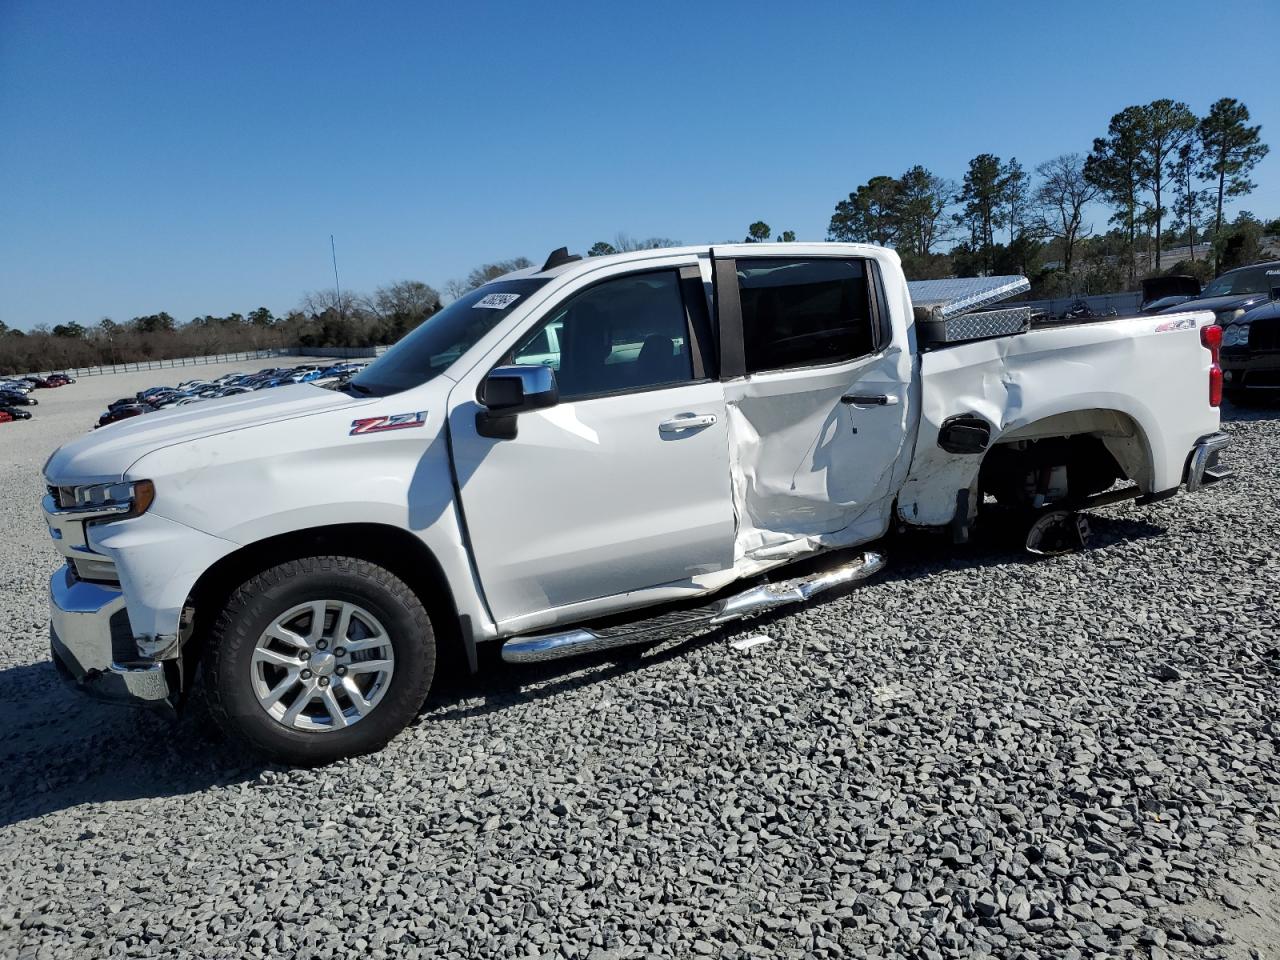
pixel 618 336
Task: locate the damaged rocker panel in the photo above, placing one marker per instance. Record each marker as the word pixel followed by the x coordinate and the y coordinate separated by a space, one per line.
pixel 685 623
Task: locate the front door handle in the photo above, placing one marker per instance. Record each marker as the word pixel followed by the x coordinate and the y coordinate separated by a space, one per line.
pixel 872 400
pixel 689 421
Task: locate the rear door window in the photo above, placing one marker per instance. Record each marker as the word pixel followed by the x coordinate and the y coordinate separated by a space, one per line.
pixel 804 313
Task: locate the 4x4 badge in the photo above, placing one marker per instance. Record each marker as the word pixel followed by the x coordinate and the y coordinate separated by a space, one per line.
pixel 395 421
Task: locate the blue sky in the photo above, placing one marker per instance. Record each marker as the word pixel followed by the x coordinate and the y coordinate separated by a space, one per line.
pixel 195 157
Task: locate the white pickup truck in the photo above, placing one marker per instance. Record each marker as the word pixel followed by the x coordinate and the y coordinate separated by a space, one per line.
pixel 591 454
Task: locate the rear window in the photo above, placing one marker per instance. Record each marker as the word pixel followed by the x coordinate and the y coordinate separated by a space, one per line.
pixel 803 313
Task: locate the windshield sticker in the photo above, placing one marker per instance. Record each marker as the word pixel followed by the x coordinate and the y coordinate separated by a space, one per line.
pixel 496 301
pixel 1182 323
pixel 396 421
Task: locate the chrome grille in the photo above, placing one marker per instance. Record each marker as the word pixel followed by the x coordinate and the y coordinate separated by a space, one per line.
pixel 66 520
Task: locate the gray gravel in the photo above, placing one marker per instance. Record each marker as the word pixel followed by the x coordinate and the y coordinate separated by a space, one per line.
pixel 973 755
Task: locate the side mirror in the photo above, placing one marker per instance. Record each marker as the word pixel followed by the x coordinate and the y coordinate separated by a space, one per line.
pixel 509 391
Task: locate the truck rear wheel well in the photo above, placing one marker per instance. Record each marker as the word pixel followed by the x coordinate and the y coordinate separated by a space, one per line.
pixel 1076 454
pixel 390 547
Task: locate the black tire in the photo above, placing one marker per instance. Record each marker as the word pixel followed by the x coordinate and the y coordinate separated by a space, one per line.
pixel 254 605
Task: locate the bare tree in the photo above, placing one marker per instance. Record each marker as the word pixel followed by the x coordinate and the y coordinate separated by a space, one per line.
pixel 491 271
pixel 317 302
pixel 1060 200
pixel 409 298
pixel 623 243
pixel 456 288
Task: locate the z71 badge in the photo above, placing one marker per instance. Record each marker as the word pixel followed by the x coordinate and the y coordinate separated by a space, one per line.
pixel 395 421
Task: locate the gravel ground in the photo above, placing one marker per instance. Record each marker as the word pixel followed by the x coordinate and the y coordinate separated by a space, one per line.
pixel 974 754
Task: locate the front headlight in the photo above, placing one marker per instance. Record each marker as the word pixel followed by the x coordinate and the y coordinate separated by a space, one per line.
pixel 1236 335
pixel 1227 317
pixel 110 501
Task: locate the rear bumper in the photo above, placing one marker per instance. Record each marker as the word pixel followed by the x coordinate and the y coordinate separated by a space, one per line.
pixel 93 647
pixel 1203 466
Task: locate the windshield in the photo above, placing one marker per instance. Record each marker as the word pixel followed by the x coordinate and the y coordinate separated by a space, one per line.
pixel 439 340
pixel 1252 280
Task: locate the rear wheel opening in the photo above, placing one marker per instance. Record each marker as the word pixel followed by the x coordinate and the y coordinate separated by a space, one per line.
pixel 1037 486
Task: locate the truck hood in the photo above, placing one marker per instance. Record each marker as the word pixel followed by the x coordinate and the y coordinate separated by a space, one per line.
pixel 106 453
pixel 1232 301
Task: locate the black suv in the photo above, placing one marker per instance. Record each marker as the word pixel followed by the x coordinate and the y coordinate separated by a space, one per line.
pixel 1244 301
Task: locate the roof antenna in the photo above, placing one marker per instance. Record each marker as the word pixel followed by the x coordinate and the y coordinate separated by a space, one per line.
pixel 559 257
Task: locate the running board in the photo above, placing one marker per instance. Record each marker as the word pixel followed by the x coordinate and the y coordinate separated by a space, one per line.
pixel 685 623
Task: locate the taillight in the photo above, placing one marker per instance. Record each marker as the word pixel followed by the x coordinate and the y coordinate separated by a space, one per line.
pixel 1211 339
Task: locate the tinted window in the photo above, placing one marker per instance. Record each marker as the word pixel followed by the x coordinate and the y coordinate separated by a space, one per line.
pixel 623 334
pixel 439 340
pixel 802 313
pixel 1252 280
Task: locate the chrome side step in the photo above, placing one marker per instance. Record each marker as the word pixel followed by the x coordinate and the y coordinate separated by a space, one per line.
pixel 684 623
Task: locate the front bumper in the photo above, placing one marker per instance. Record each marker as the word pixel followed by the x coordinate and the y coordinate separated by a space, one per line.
pixel 93 646
pixel 1244 368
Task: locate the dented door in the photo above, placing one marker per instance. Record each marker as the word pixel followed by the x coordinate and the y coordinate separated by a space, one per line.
pixel 818 392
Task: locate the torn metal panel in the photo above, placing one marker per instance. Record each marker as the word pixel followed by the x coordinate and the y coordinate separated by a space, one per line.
pixel 1128 379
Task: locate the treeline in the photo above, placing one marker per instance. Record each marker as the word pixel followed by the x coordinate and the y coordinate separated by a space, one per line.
pixel 322 319
pixel 1164 173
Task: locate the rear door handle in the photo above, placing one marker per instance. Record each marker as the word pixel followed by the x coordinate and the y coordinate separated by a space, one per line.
pixel 690 421
pixel 872 400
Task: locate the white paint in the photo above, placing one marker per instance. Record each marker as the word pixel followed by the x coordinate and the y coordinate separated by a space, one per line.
pixel 592 509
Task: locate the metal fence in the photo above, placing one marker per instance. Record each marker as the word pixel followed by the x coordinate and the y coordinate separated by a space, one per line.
pixel 344 353
pixel 1124 304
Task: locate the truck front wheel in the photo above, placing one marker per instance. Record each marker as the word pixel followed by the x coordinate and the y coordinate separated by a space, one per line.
pixel 318 659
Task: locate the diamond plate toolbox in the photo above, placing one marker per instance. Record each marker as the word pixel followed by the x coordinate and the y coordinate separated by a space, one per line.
pixel 952 311
pixel 976 326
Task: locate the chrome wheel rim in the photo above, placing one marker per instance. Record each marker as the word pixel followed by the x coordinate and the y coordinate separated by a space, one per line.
pixel 322 666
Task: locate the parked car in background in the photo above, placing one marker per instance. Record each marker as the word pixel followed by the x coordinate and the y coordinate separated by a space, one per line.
pixel 1161 292
pixel 122 413
pixel 16 413
pixel 171 399
pixel 1251 353
pixel 1236 292
pixel 13 398
pixel 59 379
pixel 40 383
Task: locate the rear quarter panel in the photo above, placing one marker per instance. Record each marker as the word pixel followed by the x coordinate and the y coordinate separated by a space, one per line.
pixel 1151 369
